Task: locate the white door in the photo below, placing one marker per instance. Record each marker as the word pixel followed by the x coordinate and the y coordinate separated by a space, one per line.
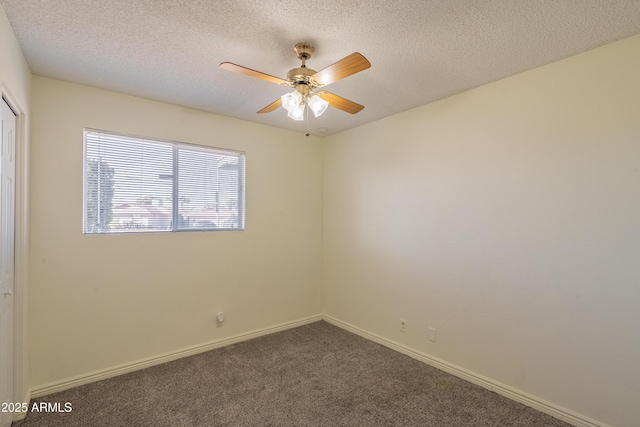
pixel 7 221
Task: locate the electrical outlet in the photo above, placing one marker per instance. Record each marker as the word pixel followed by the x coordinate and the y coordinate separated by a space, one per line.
pixel 220 319
pixel 432 334
pixel 403 325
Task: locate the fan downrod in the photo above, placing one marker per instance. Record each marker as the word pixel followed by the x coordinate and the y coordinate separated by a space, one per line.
pixel 301 76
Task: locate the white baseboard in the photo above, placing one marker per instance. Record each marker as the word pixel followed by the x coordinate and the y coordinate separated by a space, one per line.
pixel 102 374
pixel 17 416
pixel 504 390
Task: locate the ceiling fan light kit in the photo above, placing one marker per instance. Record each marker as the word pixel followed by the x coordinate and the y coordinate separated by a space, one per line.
pixel 317 105
pixel 306 81
pixel 291 100
pixel 295 103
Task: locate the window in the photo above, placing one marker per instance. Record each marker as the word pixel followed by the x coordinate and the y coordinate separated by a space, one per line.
pixel 141 185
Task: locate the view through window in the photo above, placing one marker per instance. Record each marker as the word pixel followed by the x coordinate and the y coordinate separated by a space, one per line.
pixel 142 185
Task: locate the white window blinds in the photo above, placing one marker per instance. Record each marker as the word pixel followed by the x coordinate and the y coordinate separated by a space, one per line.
pixel 209 188
pixel 140 185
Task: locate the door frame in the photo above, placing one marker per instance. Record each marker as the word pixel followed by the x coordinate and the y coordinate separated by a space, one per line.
pixel 21 386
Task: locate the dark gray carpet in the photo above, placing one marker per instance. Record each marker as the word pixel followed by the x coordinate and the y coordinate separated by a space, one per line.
pixel 314 375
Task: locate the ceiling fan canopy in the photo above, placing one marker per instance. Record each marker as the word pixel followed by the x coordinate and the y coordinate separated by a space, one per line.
pixel 306 83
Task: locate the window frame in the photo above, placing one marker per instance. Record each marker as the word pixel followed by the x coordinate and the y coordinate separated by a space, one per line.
pixel 176 146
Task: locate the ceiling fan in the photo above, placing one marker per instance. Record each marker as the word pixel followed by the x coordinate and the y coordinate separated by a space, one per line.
pixel 306 83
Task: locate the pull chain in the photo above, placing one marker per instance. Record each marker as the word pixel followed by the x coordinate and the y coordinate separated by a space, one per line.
pixel 306 106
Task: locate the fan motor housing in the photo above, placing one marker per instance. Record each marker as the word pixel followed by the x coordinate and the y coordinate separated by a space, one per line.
pixel 301 75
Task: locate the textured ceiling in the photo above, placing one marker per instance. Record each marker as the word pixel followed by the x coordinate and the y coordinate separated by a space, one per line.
pixel 420 50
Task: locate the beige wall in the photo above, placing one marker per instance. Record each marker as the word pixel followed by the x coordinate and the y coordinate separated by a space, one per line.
pixel 98 301
pixel 14 71
pixel 15 85
pixel 508 218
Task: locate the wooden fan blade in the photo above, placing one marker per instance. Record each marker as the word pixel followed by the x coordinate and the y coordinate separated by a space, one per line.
pixel 340 103
pixel 347 66
pixel 252 73
pixel 269 108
